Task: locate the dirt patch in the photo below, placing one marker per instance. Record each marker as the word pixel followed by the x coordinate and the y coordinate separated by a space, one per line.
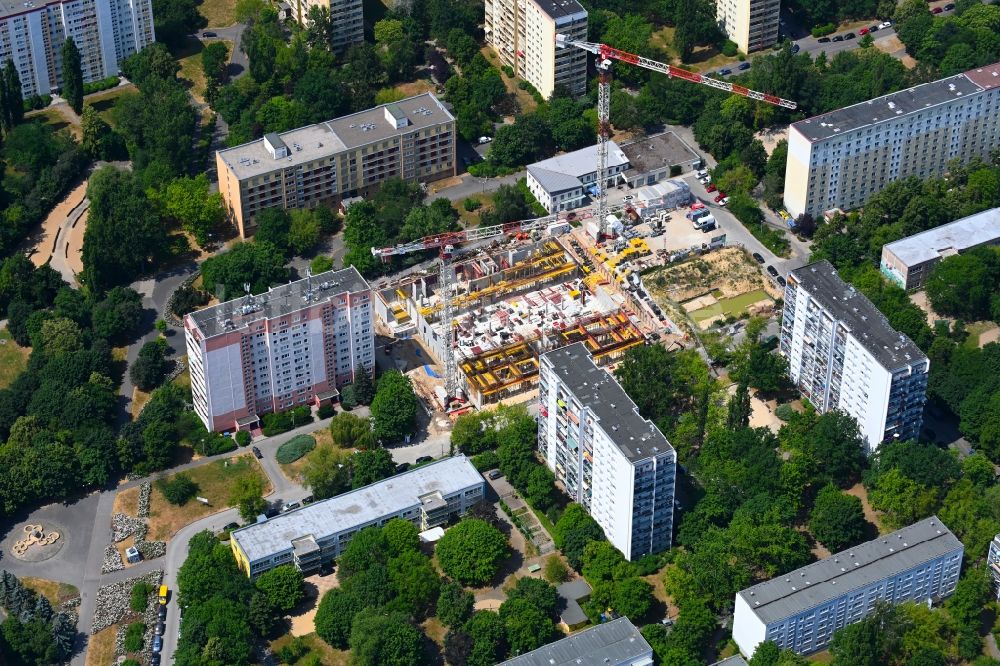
pixel 487 604
pixel 414 88
pixel 445 183
pixel 45 246
pixel 770 137
pixel 304 616
pixel 435 630
pixel 127 502
pixel 139 400
pixel 872 516
pixel 55 591
pixel 101 647
pixel 726 273
pixel 988 336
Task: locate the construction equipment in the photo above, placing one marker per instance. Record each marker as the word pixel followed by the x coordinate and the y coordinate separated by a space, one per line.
pixel 605 55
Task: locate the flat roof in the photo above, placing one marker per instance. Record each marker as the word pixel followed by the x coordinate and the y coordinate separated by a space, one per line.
pixel 554 182
pixel 654 152
pixel 278 301
pixel 312 142
pixel 638 438
pixel 581 162
pixel 571 592
pixel 560 8
pixel 867 324
pixel 735 660
pixel 11 8
pixel 612 642
pixel 365 505
pixel 894 105
pixel 818 583
pixel 968 232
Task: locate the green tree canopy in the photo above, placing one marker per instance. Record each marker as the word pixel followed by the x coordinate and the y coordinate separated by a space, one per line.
pixel 394 408
pixel 471 552
pixel 837 519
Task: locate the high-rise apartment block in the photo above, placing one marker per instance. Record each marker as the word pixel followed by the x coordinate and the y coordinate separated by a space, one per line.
pixel 800 610
pixel 347 19
pixel 843 354
pixel 105 31
pixel 841 158
pixel 523 33
pixel 751 24
pixel 909 261
pixel 993 561
pixel 413 139
pixel 293 345
pixel 606 456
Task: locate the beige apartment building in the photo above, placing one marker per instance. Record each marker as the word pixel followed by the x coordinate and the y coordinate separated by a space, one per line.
pixel 840 159
pixel 523 33
pixel 347 19
pixel 751 24
pixel 413 139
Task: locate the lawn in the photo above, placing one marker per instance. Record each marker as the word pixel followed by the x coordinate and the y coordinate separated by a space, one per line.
pixel 13 359
pixel 730 306
pixel 104 102
pixel 127 502
pixel 214 481
pixel 328 656
pixel 53 590
pixel 101 647
pixel 189 57
pixel 139 400
pixel 524 98
pixel 472 219
pixel 52 118
pixel 974 330
pixel 220 13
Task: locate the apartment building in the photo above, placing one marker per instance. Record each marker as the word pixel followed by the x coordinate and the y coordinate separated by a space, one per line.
pixel 993 561
pixel 614 643
pixel 606 456
pixel 801 609
pixel 843 354
pixel 293 345
pixel 909 261
pixel 751 24
pixel 413 139
pixel 523 33
pixel 840 159
pixel 347 19
pixel 105 31
pixel 563 182
pixel 317 533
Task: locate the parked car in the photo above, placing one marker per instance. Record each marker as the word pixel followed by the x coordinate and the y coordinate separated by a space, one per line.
pixel 271 513
pixel 936 10
pixel 230 527
pixel 711 188
pixel 154 659
pixel 796 48
pixel 159 629
pixel 208 33
pixel 744 66
pixel 308 499
pixel 758 258
pixel 725 71
pixel 290 506
pixel 484 139
pixel 402 467
pixel 424 459
pixel 873 28
pixel 784 215
pixel 884 24
pixel 720 197
pixel 950 6
pixel 838 38
pixel 773 271
pixel 257 452
pixel 157 643
pixel 824 40
pixel 495 474
pixel 697 205
pixel 723 201
pixel 781 280
pixel 850 35
pixel 863 31
pixel 162 613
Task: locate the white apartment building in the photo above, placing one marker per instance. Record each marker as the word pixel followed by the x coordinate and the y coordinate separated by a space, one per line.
pixel 105 31
pixel 317 533
pixel 293 345
pixel 606 456
pixel 523 33
pixel 801 609
pixel 563 182
pixel 614 643
pixel 843 354
pixel 993 561
pixel 840 159
pixel 350 156
pixel 751 24
pixel 347 19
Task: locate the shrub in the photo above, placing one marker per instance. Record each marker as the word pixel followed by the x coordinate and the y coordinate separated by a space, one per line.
pixel 675 170
pixel 140 596
pixel 729 48
pixel 292 651
pixel 300 416
pixel 555 570
pixel 131 662
pixel 509 71
pixel 179 489
pixel 326 411
pixel 276 423
pixel 243 438
pixel 295 448
pixel 471 204
pixel 133 636
pixel 187 299
pixel 784 412
pixel 98 86
pixel 824 30
pixel 486 461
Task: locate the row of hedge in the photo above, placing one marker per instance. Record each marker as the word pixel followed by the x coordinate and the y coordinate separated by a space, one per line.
pixel 103 84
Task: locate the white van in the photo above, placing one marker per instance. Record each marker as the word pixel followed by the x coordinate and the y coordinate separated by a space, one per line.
pixel 704 221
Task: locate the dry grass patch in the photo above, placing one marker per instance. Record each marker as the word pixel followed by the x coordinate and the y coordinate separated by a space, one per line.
pixel 104 102
pixel 53 590
pixel 434 630
pixel 189 57
pixel 139 400
pixel 53 119
pixel 184 379
pixel 13 359
pixel 127 502
pixel 214 482
pixel 871 515
pixel 328 656
pixel 473 219
pixel 414 88
pixel 101 647
pixel 220 13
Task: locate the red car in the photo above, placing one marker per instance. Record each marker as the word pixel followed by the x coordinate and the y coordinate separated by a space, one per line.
pixel 936 10
pixel 711 188
pixel 697 205
pixel 863 31
pixel 720 197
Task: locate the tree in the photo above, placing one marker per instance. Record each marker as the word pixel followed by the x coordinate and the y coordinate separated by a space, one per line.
pixel 837 519
pixel 394 409
pixel 176 19
pixel 151 366
pixel 260 264
pixel 349 431
pixel 189 202
pixel 458 647
pixel 574 530
pixel 304 231
pixel 247 495
pixel 415 581
pixel 555 570
pixel 326 472
pixel 961 285
pixel 214 62
pixel 384 639
pixel 527 626
pixel 538 593
pixel 59 336
pixel 118 315
pixel 72 75
pixel 177 490
pixel 366 549
pixel 471 552
pixel 362 388
pixel 371 466
pixel 283 587
pixel 334 615
pixel 489 638
pixel 739 409
pixel 401 536
pixel 99 140
pixel 11 106
pixel 454 604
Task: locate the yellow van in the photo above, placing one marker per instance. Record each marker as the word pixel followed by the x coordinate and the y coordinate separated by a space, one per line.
pixel 163 594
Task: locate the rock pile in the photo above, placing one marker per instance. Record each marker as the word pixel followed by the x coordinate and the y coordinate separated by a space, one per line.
pixel 112 560
pixel 144 491
pixel 124 526
pixel 113 601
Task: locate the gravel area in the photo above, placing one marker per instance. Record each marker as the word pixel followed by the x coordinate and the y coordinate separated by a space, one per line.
pixel 144 493
pixel 113 602
pixel 112 560
pixel 123 526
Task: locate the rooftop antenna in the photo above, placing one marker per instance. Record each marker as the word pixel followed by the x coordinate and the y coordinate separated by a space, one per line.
pixel 309 285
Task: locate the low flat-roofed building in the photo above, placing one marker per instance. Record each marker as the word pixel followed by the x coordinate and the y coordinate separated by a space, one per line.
pixel 909 261
pixel 735 660
pixel 563 182
pixel 614 643
pixel 801 609
pixel 316 534
pixel 651 159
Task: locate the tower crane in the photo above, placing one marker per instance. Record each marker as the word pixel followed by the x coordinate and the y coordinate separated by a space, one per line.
pixel 605 55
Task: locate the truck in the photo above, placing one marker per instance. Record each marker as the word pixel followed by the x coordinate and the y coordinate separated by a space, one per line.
pixel 705 222
pixel 693 215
